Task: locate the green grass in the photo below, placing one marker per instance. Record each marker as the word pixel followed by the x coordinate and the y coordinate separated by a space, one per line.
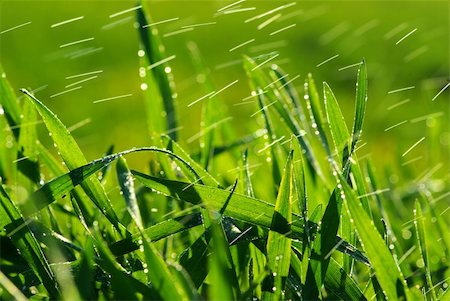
pixel 315 221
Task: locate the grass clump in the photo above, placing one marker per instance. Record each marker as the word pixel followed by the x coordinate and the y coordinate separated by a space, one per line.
pixel 316 226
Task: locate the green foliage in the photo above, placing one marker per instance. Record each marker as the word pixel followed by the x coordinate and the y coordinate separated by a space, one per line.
pixel 319 228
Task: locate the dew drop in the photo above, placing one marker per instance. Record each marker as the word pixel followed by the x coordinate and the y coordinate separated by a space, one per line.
pixel 144 86
pixel 141 53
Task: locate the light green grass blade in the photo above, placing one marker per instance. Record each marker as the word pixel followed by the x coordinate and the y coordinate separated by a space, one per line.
pixel 341 284
pixel 160 78
pixel 9 290
pixel 386 270
pixel 422 242
pixel 240 207
pixel 158 231
pixel 360 106
pixel 336 122
pixel 73 157
pixel 9 103
pixel 278 243
pixel 13 225
pixel 126 183
pixel 158 273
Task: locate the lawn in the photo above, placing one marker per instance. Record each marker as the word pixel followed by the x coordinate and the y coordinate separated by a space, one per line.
pixel 212 150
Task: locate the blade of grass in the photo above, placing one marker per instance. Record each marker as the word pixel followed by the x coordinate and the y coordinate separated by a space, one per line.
pixel 154 51
pixel 73 157
pixel 126 183
pixel 360 106
pixel 386 269
pixel 422 242
pixel 278 243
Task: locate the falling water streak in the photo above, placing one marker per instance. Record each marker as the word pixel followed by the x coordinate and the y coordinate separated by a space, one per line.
pixel 407 35
pixel 15 27
pixel 78 125
pixel 76 42
pixel 206 130
pixel 112 98
pixel 427 175
pixel 442 90
pixel 327 60
pixel 244 103
pixel 81 81
pixel 395 31
pixel 395 125
pixel 268 60
pixel 412 160
pixel 401 89
pixel 413 146
pixel 268 21
pixel 238 10
pixel 200 99
pixel 240 235
pixel 399 104
pixel 290 15
pixel 193 183
pixel 198 25
pixel 125 11
pixel 84 74
pixel 66 91
pixel 20 159
pixel 167 59
pixel 271 144
pixel 275 81
pixel 290 81
pixel 407 253
pixel 84 52
pixel 253 94
pixel 366 27
pixel 67 21
pixel 18 126
pixel 441 197
pixel 443 212
pixel 349 66
pixel 241 45
pixel 239 167
pixel 263 108
pixel 426 117
pixel 118 22
pixel 378 191
pixel 282 29
pixel 270 12
pixel 226 87
pixel 160 22
pixel 415 53
pixel 334 248
pixel 227 64
pixel 230 5
pixel 177 32
pixel 169 131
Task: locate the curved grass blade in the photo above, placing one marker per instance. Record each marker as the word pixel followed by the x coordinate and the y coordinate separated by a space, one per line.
pixel 73 157
pixel 126 183
pixel 360 107
pixel 387 272
pixel 157 232
pixel 23 238
pixel 251 210
pixel 9 290
pixel 341 284
pixel 278 242
pixel 422 241
pixel 154 51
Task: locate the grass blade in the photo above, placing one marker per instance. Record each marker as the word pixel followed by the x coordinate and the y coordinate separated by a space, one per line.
pixel 162 80
pixel 126 183
pixel 360 107
pixel 387 272
pixel 73 157
pixel 422 241
pixel 278 243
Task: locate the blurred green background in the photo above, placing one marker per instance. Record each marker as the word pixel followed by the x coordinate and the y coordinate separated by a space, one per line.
pixel 32 58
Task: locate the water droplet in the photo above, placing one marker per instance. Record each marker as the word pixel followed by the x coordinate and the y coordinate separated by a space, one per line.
pixel 167 70
pixel 274 289
pixel 141 53
pixel 144 86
